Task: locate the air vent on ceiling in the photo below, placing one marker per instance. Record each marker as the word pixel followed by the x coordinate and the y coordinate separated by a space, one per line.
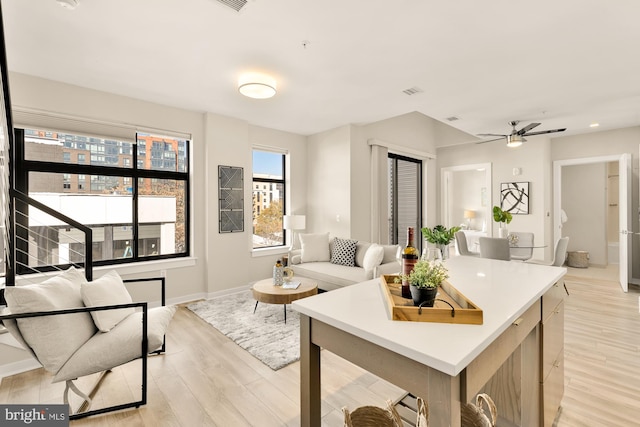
pixel 452 119
pixel 412 90
pixel 234 4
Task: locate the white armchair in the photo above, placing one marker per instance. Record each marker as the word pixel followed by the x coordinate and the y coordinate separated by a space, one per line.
pixel 76 328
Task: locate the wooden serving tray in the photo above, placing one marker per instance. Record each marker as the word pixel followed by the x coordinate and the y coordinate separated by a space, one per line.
pixel 462 310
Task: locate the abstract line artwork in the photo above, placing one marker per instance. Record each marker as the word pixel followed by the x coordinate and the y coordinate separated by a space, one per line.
pixel 514 197
pixel 231 199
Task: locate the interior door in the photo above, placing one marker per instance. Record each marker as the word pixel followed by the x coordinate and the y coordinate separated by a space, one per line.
pixel 625 221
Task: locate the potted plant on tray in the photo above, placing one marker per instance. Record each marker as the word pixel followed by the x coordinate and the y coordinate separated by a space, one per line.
pixel 503 218
pixel 441 237
pixel 424 280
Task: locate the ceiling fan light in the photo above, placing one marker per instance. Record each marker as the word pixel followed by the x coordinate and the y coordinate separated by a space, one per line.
pixel 514 141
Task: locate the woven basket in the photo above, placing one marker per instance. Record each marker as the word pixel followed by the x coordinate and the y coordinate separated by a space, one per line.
pixel 473 415
pixel 372 416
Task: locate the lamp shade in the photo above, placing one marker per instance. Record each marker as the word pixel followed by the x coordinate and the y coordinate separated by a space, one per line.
pixel 468 214
pixel 294 222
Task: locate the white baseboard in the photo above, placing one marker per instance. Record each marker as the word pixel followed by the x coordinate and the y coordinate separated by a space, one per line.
pixel 18 367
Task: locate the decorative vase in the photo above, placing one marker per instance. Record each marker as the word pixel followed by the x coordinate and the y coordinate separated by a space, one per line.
pixel 424 296
pixel 503 232
pixel 444 250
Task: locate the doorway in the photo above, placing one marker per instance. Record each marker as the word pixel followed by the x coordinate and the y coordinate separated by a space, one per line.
pixel 466 197
pixel 595 207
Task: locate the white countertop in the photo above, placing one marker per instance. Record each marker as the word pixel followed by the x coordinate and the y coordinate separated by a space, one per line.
pixel 502 289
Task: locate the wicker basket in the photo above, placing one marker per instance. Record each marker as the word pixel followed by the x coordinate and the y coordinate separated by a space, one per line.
pixel 372 416
pixel 473 414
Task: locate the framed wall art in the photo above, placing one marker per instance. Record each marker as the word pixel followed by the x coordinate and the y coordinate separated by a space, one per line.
pixel 514 197
pixel 230 199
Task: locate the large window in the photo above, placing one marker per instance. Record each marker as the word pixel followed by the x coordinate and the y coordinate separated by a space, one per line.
pixel 268 199
pixel 135 201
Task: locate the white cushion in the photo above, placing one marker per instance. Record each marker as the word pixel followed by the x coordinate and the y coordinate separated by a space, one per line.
pixel 107 290
pixel 373 257
pixel 361 250
pixel 122 344
pixel 53 338
pixel 389 253
pixel 315 247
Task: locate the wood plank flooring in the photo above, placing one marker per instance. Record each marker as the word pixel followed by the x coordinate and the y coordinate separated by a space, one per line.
pixel 205 379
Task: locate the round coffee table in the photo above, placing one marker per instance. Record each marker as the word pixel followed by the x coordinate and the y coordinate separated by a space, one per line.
pixel 265 291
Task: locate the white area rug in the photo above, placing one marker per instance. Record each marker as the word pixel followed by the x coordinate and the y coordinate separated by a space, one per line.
pixel 263 334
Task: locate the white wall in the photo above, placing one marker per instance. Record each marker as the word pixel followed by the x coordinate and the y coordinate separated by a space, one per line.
pixel 584 201
pixel 532 160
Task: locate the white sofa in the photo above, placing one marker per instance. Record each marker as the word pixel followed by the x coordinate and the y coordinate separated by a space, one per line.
pixel 321 259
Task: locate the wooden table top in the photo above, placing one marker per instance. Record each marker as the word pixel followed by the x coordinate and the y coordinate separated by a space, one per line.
pixel 265 291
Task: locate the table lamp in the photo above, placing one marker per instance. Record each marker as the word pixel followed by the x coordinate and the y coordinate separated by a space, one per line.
pixel 469 215
pixel 293 223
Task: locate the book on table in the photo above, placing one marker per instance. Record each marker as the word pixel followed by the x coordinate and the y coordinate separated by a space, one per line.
pixel 290 285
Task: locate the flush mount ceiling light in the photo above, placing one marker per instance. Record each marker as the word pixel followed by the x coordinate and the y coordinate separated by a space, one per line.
pixel 257 86
pixel 514 141
pixel 68 4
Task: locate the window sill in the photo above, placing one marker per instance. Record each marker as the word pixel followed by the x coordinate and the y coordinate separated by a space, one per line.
pixel 279 250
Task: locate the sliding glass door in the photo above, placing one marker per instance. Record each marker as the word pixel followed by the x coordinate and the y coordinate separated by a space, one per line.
pixel 405 199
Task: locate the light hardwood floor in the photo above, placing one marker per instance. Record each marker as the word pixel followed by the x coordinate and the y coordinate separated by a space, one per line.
pixel 204 379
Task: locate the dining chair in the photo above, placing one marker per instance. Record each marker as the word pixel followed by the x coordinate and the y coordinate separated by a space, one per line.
pixel 521 246
pixel 495 248
pixel 461 244
pixel 559 257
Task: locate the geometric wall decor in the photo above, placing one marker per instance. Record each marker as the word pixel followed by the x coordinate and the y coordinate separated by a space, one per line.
pixel 230 199
pixel 514 197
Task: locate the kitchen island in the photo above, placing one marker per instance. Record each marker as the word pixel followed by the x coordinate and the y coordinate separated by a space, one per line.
pixel 515 355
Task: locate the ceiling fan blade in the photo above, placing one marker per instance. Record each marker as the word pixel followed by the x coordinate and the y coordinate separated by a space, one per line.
pixel 491 140
pixel 527 128
pixel 492 134
pixel 545 131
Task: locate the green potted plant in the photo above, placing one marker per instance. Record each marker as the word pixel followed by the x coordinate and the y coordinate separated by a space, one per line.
pixel 441 237
pixel 424 280
pixel 503 218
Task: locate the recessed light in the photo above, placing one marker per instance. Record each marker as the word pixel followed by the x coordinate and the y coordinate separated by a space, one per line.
pixel 594 125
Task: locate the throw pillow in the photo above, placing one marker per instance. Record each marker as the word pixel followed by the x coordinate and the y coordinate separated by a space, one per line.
pixel 361 250
pixel 107 290
pixel 52 338
pixel 373 257
pixel 390 253
pixel 344 252
pixel 315 247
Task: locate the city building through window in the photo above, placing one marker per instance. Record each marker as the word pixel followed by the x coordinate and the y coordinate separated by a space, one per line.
pixel 268 199
pixel 133 195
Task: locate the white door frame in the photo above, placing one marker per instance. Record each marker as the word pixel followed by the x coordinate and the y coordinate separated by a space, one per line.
pixel 445 175
pixel 624 161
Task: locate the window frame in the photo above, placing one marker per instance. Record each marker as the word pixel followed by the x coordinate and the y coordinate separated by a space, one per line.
pixel 264 180
pixel 132 172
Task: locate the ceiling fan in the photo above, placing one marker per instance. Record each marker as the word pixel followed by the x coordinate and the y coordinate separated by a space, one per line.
pixel 516 137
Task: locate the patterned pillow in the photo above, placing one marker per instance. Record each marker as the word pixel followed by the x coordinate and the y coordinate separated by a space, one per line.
pixel 344 252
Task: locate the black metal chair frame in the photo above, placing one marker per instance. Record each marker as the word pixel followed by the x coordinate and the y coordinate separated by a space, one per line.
pixel 144 343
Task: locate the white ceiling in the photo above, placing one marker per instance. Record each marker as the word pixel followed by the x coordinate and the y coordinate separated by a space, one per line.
pixel 564 63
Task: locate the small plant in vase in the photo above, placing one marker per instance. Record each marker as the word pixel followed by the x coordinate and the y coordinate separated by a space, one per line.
pixel 503 218
pixel 441 237
pixel 424 280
